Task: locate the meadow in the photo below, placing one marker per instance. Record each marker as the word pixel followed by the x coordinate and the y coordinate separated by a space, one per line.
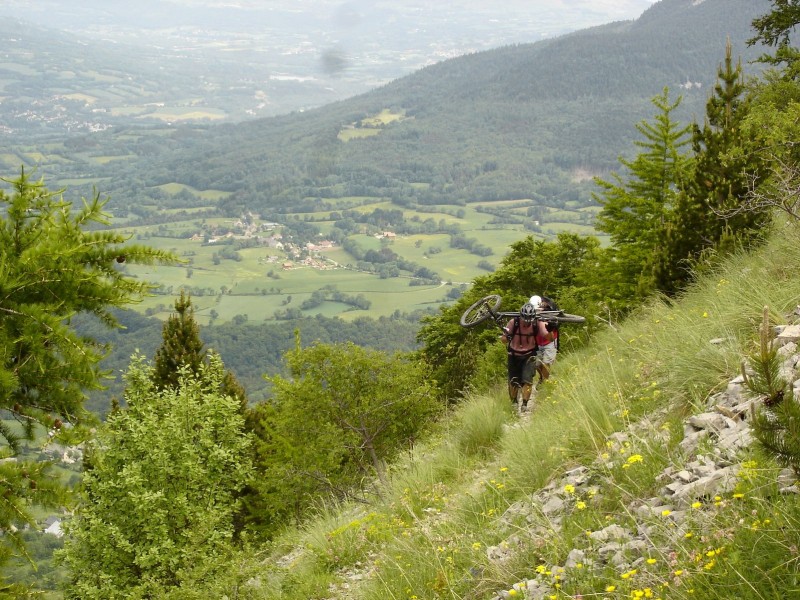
pixel 262 280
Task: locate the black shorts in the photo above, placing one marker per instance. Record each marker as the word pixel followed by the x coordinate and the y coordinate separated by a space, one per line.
pixel 521 368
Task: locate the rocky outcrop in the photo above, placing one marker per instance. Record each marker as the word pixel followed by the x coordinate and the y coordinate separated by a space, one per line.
pixel 711 447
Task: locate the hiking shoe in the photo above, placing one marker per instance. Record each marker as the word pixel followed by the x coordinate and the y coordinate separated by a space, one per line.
pixel 524 407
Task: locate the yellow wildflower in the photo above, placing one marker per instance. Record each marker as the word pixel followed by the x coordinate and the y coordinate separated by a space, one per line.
pixel 629 574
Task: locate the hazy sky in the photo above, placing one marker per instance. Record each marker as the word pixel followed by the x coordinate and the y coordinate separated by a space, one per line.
pixel 563 15
pixel 374 40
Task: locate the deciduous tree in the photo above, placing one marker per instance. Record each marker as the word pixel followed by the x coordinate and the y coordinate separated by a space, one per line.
pixel 772 120
pixel 161 489
pixel 334 423
pixel 775 29
pixel 565 269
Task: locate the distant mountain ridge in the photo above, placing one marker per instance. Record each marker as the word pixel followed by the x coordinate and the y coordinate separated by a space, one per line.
pixel 527 121
pixel 515 122
pixel 241 60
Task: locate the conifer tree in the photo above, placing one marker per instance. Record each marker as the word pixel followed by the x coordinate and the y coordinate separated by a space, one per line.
pixel 724 164
pixel 776 418
pixel 636 210
pixel 52 267
pixel 182 347
pixel 708 215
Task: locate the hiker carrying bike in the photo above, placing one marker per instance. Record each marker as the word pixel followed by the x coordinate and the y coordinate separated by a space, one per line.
pixel 520 339
pixel 546 339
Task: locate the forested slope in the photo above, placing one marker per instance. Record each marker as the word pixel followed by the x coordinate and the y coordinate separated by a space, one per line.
pixel 250 350
pixel 525 121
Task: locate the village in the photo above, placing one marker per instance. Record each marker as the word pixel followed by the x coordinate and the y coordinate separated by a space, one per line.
pixel 248 230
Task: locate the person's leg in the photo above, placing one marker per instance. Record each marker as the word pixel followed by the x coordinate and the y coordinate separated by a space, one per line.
pixel 526 394
pixel 513 378
pixel 528 374
pixel 544 362
pixel 544 372
pixel 538 368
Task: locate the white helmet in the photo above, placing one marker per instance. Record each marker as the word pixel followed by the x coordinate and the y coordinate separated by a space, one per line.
pixel 536 301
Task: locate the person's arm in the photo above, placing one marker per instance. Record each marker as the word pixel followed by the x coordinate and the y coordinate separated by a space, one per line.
pixel 506 336
pixel 544 332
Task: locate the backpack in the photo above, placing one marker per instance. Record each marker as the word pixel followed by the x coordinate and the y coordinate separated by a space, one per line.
pixel 550 302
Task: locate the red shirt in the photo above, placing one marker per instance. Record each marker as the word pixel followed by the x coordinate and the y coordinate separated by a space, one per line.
pixel 544 337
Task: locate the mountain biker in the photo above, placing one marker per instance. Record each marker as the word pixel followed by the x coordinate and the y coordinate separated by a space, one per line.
pixel 546 339
pixel 520 340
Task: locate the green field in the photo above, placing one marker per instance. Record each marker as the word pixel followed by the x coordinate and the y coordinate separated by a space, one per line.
pixel 258 285
pixel 264 281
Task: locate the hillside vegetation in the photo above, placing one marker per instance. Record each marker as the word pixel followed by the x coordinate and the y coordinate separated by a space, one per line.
pixel 510 123
pixel 463 515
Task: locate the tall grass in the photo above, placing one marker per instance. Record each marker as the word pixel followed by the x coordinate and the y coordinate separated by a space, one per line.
pixel 460 517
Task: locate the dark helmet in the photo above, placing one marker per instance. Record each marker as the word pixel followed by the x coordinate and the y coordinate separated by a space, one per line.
pixel 527 312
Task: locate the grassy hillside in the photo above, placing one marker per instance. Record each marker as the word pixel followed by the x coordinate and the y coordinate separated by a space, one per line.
pixel 492 506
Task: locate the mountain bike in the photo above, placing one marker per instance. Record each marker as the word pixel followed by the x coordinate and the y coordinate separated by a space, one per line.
pixel 488 308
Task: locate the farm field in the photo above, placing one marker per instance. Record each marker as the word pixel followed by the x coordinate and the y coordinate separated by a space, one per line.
pixel 236 274
pixel 239 278
pixel 258 285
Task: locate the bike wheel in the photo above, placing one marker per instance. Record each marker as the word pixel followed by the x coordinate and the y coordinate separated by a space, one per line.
pixel 480 311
